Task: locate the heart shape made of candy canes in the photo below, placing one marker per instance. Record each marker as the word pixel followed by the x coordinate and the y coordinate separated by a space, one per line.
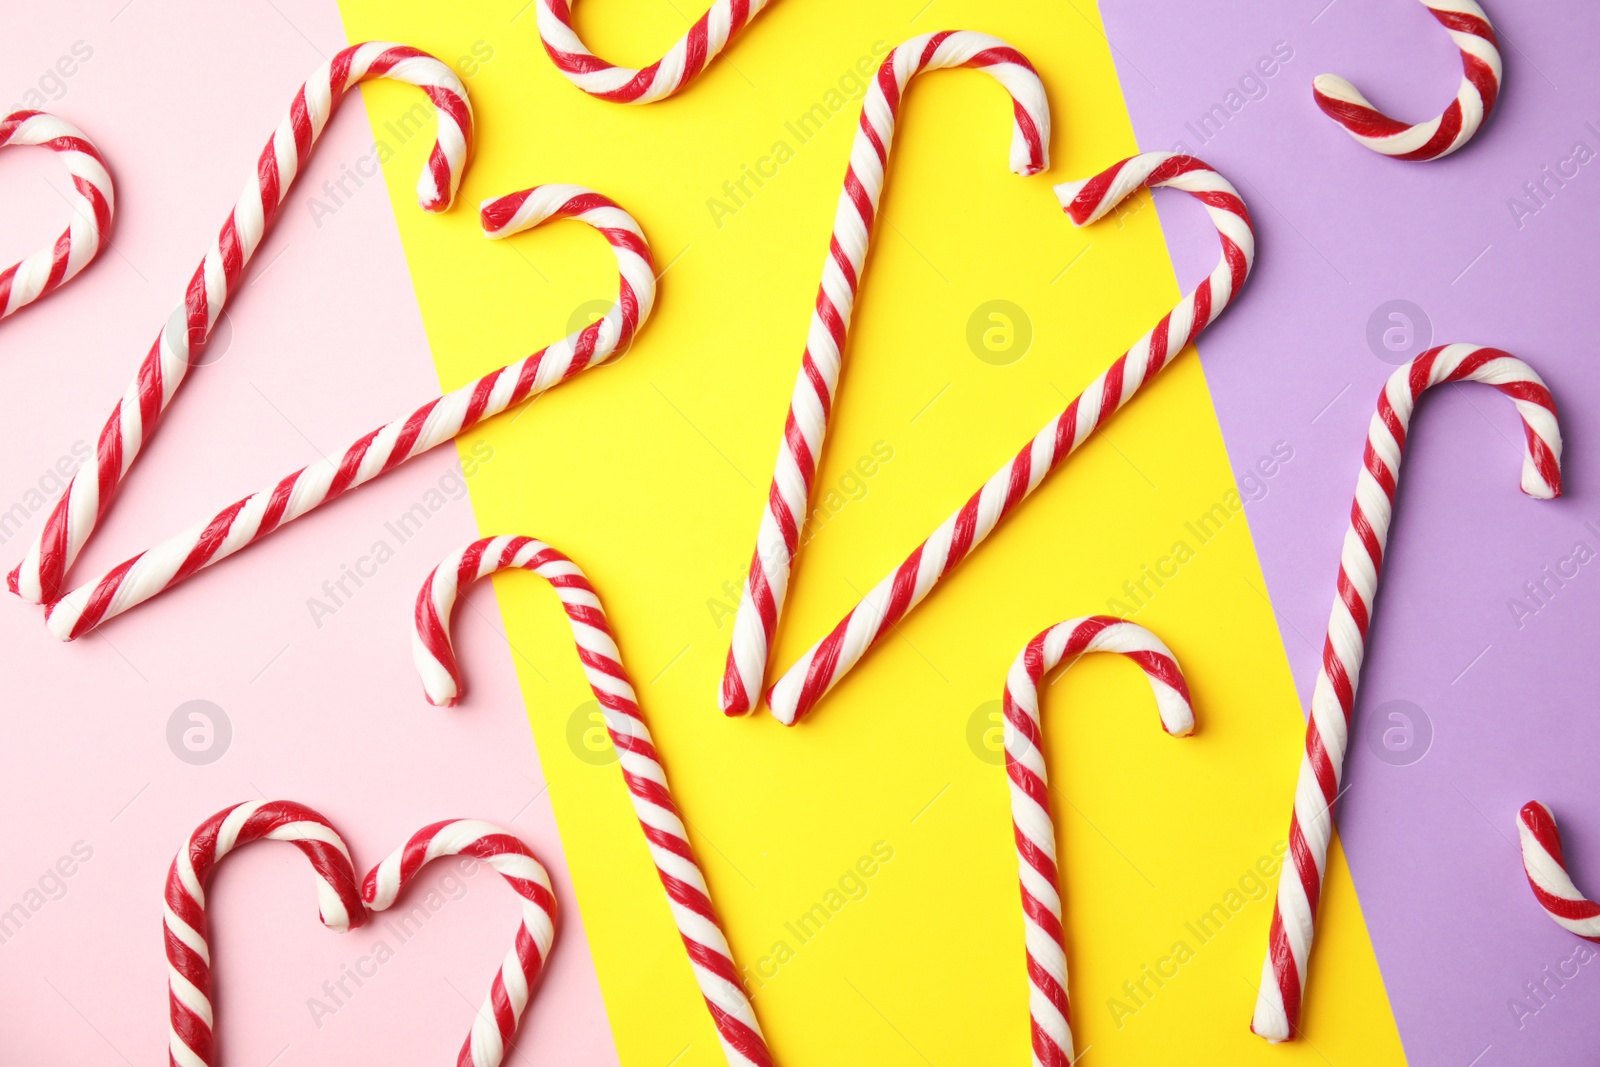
pixel 766 583
pixel 41 575
pixel 805 427
pixel 92 200
pixel 344 903
pixel 879 612
pixel 247 521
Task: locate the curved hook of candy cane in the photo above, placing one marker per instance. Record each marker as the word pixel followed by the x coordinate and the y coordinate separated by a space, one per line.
pixel 246 521
pixel 609 336
pixel 766 583
pixel 684 62
pixel 92 199
pixel 40 577
pixel 1546 869
pixel 495 1025
pixel 192 1040
pixel 1438 137
pixel 665 834
pixel 1283 978
pixel 1034 830
pixel 829 660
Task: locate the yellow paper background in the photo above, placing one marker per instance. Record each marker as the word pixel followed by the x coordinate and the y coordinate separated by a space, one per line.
pixel 651 473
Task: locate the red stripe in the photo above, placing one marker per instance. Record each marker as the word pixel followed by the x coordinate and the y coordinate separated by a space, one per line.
pixel 1285 970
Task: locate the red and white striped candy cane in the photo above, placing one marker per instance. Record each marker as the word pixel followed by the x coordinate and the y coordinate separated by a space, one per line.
pixel 247 521
pixel 1034 830
pixel 92 200
pixel 40 577
pixel 1547 874
pixel 193 1035
pixel 496 1023
pixel 806 426
pixel 681 65
pixel 1481 74
pixel 687 893
pixel 1283 976
pixel 829 660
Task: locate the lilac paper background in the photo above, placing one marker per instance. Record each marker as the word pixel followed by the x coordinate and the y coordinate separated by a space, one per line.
pixel 1342 231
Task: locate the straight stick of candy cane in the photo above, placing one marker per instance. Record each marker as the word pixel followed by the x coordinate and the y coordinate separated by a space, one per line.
pixel 687 893
pixel 778 537
pixel 497 1021
pixel 1481 73
pixel 1546 869
pixel 1283 975
pixel 816 672
pixel 247 521
pixel 40 577
pixel 193 1038
pixel 681 65
pixel 1033 828
pixel 92 201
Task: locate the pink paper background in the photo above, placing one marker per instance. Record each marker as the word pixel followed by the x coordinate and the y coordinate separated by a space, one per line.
pixel 326 343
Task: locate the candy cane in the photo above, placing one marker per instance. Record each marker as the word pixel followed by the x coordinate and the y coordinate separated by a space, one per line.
pixel 1283 976
pixel 829 660
pixel 344 906
pixel 1033 828
pixel 687 893
pixel 40 575
pixel 193 1037
pixel 1546 869
pixel 1480 86
pixel 777 540
pixel 247 521
pixel 92 201
pixel 497 1021
pixel 681 65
